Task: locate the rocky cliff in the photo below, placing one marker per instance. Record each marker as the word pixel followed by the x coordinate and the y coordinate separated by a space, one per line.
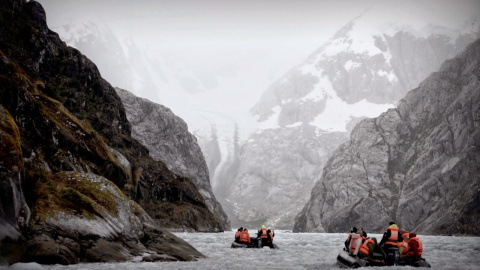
pixel 270 185
pixel 167 138
pixel 74 179
pixel 365 68
pixel 417 164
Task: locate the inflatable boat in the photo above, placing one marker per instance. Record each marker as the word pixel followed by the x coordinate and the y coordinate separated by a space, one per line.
pixel 345 260
pixel 254 243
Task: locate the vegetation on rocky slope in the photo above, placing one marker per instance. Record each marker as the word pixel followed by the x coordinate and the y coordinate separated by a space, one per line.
pixel 61 125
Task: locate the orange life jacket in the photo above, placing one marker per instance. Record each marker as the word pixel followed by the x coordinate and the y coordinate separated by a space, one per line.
pixel 264 233
pixel 420 247
pixel 237 234
pixel 245 237
pixel 364 248
pixel 353 241
pixel 393 239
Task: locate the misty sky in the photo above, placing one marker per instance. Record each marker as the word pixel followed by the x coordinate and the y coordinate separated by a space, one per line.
pixel 258 40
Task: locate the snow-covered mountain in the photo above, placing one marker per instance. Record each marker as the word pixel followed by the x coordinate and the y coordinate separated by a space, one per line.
pixel 298 121
pixel 359 73
pixel 416 164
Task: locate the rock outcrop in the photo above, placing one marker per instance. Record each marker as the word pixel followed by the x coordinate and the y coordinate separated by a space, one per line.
pixel 66 146
pixel 84 217
pixel 167 138
pixel 417 164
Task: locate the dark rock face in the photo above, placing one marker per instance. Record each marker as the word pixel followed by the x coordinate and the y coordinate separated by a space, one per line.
pixel 167 138
pixel 58 118
pixel 417 164
pixel 14 211
pixel 84 217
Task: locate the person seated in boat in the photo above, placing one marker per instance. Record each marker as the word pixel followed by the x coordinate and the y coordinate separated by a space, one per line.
pixel 347 242
pixel 237 234
pixel 270 236
pixel 403 245
pixel 244 237
pixel 368 247
pixel 263 235
pixel 391 236
pixel 414 250
pixel 355 242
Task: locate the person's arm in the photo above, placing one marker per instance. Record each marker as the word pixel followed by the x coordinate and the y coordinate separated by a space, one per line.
pixel 385 237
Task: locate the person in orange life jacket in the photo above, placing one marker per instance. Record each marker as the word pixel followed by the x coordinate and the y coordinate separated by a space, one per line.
pixel 414 250
pixel 347 242
pixel 263 235
pixel 270 236
pixel 404 244
pixel 238 233
pixel 367 248
pixel 391 236
pixel 245 237
pixel 355 242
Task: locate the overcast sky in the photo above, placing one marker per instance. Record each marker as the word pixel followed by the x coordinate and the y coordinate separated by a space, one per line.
pixel 261 39
pixel 291 28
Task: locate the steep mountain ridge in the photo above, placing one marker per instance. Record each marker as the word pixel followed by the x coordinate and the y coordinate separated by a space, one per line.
pixel 417 164
pixel 375 63
pixel 167 138
pixel 68 158
pixel 360 72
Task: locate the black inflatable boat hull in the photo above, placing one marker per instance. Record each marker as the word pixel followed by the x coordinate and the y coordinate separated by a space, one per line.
pixel 254 243
pixel 241 245
pixel 345 260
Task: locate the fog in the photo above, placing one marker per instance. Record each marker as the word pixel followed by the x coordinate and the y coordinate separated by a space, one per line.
pixel 240 46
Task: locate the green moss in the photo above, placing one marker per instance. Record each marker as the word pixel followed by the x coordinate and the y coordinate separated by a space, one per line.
pixel 70 193
pixel 10 149
pixel 77 199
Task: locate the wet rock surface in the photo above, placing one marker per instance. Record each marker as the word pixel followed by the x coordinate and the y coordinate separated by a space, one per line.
pixel 61 121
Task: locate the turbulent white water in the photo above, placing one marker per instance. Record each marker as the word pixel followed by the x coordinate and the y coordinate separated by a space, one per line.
pixel 297 251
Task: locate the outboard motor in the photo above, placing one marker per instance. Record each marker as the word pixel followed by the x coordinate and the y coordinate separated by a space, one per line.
pixel 259 243
pixel 392 256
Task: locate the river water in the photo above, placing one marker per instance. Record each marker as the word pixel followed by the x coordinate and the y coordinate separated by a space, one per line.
pixel 297 251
